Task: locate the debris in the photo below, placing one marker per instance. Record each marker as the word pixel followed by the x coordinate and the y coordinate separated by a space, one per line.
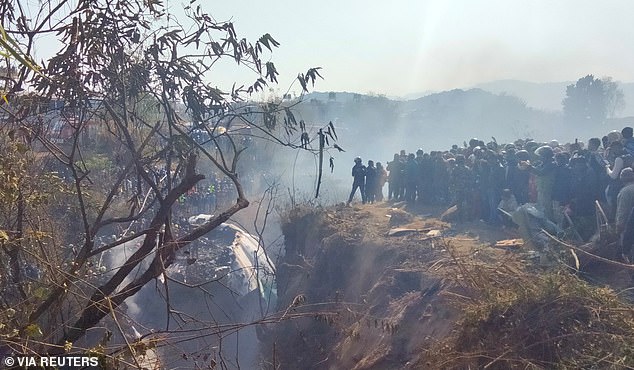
pixel 433 233
pixel 398 231
pixel 588 253
pixel 509 243
pixel 451 210
pixel 400 217
pixel 574 228
pixel 429 233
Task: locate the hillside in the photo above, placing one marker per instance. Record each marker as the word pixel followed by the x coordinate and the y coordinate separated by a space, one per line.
pixel 357 292
pixel 545 96
pixel 434 122
pixel 439 120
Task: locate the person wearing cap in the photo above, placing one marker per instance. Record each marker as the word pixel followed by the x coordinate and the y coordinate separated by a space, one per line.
pixel 517 174
pixel 358 173
pixel 625 199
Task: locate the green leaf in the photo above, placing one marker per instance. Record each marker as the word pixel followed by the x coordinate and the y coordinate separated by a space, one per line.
pixel 40 293
pixel 333 130
pixel 33 330
pixel 269 42
pixel 12 48
pixel 271 72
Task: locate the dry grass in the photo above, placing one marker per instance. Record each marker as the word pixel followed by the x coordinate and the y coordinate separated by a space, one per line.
pixel 506 313
pixel 518 319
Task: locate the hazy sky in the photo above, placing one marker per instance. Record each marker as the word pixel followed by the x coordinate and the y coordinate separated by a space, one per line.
pixel 399 47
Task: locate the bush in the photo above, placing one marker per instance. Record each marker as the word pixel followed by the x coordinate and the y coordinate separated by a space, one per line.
pixel 516 319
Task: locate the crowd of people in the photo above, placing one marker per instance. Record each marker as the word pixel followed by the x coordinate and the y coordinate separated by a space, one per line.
pixel 565 181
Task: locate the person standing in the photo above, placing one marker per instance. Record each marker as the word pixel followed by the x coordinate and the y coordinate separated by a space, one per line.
pixel 619 160
pixel 358 174
pixel 625 199
pixel 381 176
pixel 411 178
pixel 461 185
pixel 518 175
pixel 395 177
pixel 597 163
pixel 370 182
pixel 628 140
pixel 545 173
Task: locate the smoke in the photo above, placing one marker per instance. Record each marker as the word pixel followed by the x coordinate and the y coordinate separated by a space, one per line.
pixel 201 310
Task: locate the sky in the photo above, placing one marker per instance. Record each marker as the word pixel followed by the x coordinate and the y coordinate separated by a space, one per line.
pixel 402 47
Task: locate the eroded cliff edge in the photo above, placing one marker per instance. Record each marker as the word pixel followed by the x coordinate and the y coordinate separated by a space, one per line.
pixel 375 287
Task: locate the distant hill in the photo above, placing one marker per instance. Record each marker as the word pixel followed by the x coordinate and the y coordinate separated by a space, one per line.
pixel 479 113
pixel 541 95
pixel 545 96
pixel 376 127
pixel 515 109
pixel 549 95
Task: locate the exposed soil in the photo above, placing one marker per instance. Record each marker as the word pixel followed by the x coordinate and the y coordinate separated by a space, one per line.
pixel 386 287
pixel 377 298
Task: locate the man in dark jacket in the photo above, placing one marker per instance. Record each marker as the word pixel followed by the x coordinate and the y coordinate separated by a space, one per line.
pixel 395 178
pixel 358 173
pixel 545 173
pixel 411 178
pixel 462 184
pixel 517 175
pixel 628 140
pixel 370 182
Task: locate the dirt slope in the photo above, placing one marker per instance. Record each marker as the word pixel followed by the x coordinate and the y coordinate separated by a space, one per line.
pixel 378 300
pixel 378 287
